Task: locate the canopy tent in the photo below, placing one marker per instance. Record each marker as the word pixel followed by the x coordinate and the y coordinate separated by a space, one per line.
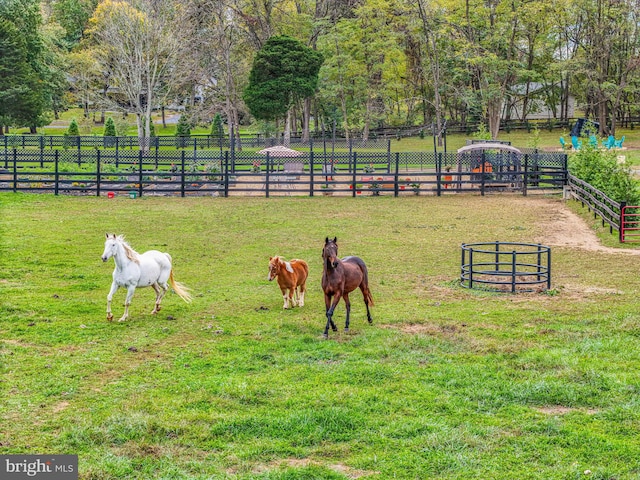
pixel 280 151
pixel 489 146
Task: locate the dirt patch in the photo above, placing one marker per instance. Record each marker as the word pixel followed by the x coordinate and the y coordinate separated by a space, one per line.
pixel 560 410
pixel 305 462
pixel 563 228
pixel 60 407
pixel 426 328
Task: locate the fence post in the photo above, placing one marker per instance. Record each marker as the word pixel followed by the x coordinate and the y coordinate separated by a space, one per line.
pixel 139 173
pixel 621 222
pixel 98 173
pixel 396 187
pixel 56 174
pixel 266 185
pixel 525 175
pixel 15 170
pixel 353 174
pixel 513 271
pixel 182 173
pixel 482 174
pixel 438 174
pixel 311 176
pixel 226 173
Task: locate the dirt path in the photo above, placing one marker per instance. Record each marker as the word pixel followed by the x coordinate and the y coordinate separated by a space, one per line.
pixel 566 229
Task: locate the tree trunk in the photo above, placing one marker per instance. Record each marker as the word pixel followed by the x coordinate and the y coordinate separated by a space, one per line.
pixel 287 129
pixel 494 108
pixel 306 117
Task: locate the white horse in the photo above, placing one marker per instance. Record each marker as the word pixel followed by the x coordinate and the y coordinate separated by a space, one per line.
pixel 134 270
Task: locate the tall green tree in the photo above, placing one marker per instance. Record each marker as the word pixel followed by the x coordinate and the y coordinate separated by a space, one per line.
pixel 284 72
pixel 14 72
pixel 33 99
pixel 73 16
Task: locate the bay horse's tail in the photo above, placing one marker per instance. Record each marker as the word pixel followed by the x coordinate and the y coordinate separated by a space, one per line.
pixel 180 289
pixel 365 279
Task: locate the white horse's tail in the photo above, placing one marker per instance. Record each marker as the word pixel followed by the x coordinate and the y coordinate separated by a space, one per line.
pixel 180 289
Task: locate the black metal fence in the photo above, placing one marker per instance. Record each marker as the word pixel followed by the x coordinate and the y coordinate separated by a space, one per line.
pixel 323 143
pixel 218 173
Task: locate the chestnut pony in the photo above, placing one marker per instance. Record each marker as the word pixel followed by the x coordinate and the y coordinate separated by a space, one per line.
pixel 339 278
pixel 291 276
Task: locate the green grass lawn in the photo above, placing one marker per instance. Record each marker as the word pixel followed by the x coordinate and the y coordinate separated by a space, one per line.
pixel 447 383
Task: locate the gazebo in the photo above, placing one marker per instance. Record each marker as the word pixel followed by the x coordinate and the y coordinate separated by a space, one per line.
pixel 492 161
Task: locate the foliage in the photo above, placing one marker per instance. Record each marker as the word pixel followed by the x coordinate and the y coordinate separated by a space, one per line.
pixel 601 169
pixel 482 133
pixel 74 129
pixel 217 128
pixel 109 128
pixel 534 138
pixel 138 45
pixel 283 72
pixel 183 128
pixel 23 95
pixel 73 16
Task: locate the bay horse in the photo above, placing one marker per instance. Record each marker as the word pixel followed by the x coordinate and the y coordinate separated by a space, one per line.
pixel 134 270
pixel 339 278
pixel 292 277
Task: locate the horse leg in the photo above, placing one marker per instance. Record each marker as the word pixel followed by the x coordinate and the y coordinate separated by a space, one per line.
pixel 285 298
pixel 331 306
pixel 301 300
pixel 114 289
pixel 130 291
pixel 347 304
pixel 160 291
pixel 366 294
pixel 293 296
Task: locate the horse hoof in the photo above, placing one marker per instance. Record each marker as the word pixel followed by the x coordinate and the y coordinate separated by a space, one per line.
pixel 346 330
pixel 325 336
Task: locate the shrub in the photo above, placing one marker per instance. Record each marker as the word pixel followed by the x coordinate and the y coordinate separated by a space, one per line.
pixel 183 128
pixel 482 133
pixel 73 130
pixel 109 128
pixel 601 169
pixel 217 129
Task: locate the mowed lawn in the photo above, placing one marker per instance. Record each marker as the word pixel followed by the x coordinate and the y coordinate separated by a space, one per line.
pixel 447 383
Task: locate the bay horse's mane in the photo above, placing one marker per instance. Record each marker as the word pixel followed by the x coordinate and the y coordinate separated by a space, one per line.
pixel 130 252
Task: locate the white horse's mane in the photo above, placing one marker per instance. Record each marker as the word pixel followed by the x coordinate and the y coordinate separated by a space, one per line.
pixel 130 252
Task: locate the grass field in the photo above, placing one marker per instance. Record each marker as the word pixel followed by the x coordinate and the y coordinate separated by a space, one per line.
pixel 447 383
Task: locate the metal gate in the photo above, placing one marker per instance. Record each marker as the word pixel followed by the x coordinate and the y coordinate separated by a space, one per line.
pixel 630 224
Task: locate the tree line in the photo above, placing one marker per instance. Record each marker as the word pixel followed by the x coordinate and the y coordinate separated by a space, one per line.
pixel 357 65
